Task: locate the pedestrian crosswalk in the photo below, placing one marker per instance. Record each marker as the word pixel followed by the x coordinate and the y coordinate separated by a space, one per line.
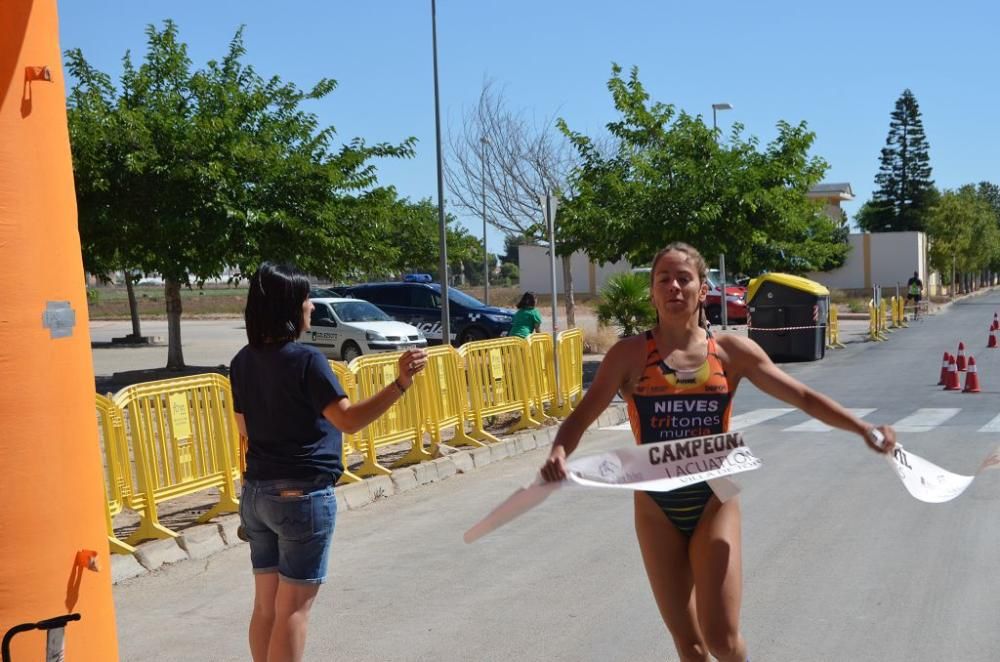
pixel 921 420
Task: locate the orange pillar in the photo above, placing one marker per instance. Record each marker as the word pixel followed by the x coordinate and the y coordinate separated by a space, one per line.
pixel 51 482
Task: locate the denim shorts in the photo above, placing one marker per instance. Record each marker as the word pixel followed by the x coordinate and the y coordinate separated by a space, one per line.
pixel 289 525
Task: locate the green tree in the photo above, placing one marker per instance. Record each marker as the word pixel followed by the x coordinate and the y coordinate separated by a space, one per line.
pixel 904 191
pixel 963 233
pixel 415 243
pixel 509 274
pixel 183 173
pixel 625 303
pixel 667 178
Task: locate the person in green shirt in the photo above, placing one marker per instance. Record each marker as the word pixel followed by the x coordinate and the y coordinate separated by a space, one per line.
pixel 527 319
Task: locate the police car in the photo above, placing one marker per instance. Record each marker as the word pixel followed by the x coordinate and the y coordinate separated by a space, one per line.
pixel 348 328
pixel 418 302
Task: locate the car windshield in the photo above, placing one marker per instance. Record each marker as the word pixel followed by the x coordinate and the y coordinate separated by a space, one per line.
pixel 461 298
pixel 359 311
pixel 713 277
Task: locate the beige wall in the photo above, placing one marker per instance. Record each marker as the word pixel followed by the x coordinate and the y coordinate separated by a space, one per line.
pixel 879 258
pixel 588 277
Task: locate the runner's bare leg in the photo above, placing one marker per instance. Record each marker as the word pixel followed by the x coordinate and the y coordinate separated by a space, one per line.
pixel 665 555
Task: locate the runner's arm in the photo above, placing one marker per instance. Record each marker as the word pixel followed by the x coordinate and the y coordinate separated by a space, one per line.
pixel 750 361
pixel 610 376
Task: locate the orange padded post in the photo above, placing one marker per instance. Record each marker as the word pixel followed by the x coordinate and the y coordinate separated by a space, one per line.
pixel 53 537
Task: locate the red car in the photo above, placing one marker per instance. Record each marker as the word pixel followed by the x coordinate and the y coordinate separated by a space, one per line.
pixel 736 302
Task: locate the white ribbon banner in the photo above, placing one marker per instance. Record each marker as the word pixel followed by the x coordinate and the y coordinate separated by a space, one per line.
pixel 930 483
pixel 657 467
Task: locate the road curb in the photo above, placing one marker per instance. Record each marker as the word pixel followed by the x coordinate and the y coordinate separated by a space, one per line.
pixel 205 540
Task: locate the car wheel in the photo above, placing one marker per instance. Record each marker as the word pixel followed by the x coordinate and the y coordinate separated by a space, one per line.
pixel 714 314
pixel 472 334
pixel 350 351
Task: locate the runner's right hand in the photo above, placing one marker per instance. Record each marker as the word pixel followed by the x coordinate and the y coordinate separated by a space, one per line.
pixel 554 468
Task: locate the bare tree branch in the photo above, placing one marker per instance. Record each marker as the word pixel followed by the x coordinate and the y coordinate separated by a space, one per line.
pixel 523 161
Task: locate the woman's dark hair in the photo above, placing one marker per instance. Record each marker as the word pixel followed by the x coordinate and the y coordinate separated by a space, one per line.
pixel 527 301
pixel 274 304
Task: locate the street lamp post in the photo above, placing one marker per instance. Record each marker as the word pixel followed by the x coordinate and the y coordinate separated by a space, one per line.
pixel 486 254
pixel 724 307
pixel 442 223
pixel 716 107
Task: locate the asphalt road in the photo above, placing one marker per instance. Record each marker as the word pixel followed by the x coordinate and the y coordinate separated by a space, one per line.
pixel 840 563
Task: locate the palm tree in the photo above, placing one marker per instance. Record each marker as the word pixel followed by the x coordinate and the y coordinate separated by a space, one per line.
pixel 625 302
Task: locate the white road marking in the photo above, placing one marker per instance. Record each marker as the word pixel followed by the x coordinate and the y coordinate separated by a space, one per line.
pixel 812 425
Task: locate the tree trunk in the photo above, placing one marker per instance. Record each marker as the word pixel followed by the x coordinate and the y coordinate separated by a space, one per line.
pixel 133 306
pixel 568 291
pixel 175 355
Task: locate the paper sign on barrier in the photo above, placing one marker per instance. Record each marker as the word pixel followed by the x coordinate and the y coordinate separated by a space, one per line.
pixel 656 467
pixel 180 421
pixel 496 364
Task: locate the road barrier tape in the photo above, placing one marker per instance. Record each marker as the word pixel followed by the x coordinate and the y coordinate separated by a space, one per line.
pixel 668 465
pixel 656 467
pixel 786 328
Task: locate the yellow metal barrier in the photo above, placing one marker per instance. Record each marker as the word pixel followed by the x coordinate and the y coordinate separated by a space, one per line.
pixel 875 322
pixel 117 468
pixel 883 316
pixel 901 312
pixel 543 373
pixel 445 397
pixel 401 423
pixel 570 348
pixel 184 440
pixel 353 443
pixel 498 382
pixel 833 329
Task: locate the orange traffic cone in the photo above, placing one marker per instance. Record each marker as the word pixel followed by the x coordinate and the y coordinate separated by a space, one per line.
pixel 943 379
pixel 951 383
pixel 992 343
pixel 971 377
pixel 960 359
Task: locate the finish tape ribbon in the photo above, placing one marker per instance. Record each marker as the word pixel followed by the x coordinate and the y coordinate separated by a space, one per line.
pixel 657 467
pixel 930 483
pixel 668 465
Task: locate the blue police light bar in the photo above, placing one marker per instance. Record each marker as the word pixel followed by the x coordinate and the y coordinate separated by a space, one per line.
pixel 417 278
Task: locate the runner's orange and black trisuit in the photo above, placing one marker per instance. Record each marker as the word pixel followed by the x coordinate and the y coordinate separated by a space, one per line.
pixel 675 404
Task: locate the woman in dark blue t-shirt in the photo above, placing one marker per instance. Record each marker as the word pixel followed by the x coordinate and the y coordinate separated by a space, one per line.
pixel 292 410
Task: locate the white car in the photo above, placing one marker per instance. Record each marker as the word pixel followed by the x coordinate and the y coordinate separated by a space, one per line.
pixel 349 328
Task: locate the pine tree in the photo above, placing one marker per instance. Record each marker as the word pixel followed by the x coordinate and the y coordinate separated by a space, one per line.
pixel 905 191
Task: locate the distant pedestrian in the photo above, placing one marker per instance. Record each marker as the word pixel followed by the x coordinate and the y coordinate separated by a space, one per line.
pixel 914 292
pixel 292 410
pixel 527 319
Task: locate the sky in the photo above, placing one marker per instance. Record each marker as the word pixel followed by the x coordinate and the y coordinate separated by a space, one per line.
pixel 837 66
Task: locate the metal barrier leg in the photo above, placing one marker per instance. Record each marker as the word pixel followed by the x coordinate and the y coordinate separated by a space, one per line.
pixel 370 466
pixel 150 529
pixel 416 455
pixel 349 477
pixel 479 432
pixel 116 545
pixel 227 504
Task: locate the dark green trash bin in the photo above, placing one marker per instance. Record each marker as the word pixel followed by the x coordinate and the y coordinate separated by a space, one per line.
pixel 788 316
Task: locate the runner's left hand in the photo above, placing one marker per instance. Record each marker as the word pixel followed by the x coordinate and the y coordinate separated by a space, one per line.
pixel 888 443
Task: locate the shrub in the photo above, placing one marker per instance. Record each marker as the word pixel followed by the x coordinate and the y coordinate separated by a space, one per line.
pixel 625 303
